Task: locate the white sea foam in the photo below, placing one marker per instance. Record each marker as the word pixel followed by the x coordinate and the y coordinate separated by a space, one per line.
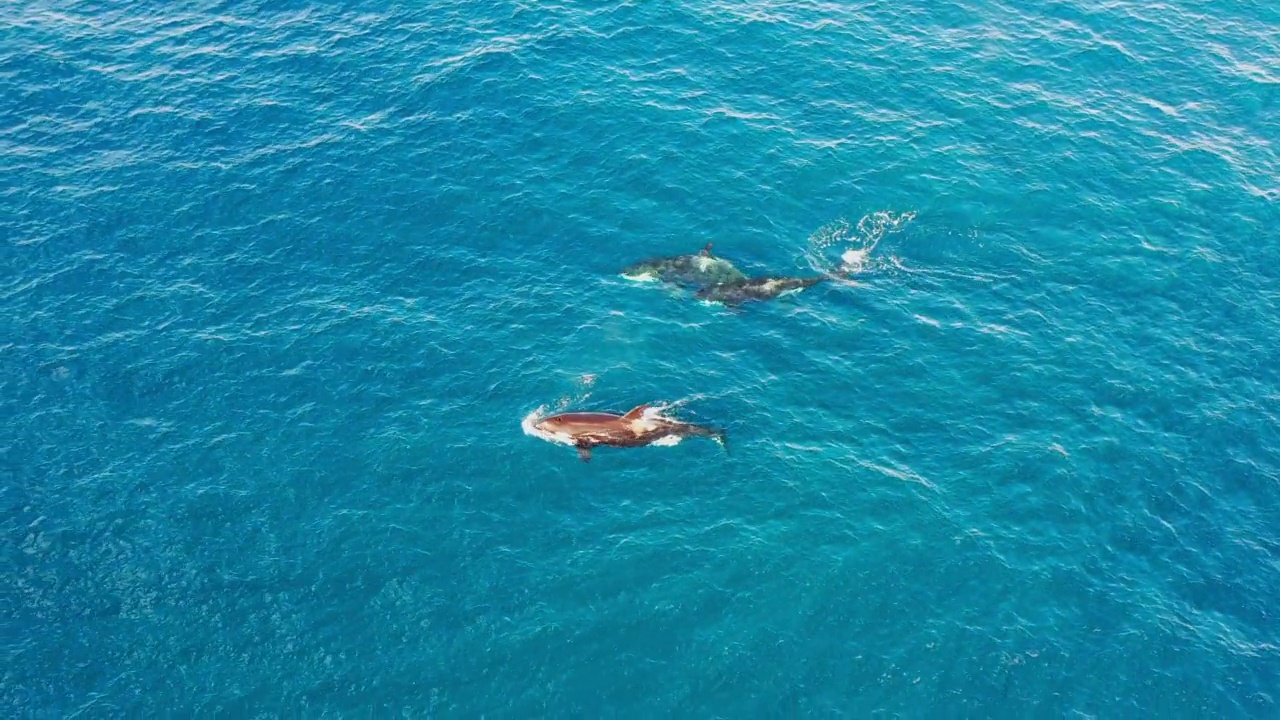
pixel 859 242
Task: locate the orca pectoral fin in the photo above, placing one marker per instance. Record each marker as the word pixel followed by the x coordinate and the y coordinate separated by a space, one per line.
pixel 636 412
pixel 584 452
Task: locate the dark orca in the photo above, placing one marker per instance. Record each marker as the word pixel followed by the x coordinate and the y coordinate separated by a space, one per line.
pixel 760 288
pixel 689 271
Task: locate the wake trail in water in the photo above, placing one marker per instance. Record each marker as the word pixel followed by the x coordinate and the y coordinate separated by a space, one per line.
pixel 857 243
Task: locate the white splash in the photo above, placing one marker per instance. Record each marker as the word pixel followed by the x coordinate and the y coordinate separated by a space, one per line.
pixel 667 441
pixel 641 278
pixel 852 261
pixel 530 426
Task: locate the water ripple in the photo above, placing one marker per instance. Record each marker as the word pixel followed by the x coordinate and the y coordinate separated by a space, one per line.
pixel 281 280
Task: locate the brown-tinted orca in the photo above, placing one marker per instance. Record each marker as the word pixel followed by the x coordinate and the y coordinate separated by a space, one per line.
pixel 643 425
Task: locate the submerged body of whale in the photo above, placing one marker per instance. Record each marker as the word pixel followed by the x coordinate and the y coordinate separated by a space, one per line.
pixel 643 425
pixel 690 271
pixel 760 288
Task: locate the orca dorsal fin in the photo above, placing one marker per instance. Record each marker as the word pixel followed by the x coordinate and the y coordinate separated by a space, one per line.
pixel 636 412
pixel 706 250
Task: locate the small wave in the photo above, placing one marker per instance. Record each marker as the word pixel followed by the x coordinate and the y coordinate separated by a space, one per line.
pixel 658 408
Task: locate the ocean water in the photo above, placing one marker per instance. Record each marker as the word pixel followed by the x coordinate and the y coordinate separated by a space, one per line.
pixel 282 280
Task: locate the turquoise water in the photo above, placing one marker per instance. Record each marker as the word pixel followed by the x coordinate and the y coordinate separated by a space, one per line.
pixel 281 281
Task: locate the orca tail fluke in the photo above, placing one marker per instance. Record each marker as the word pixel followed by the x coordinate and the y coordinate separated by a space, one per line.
pixel 717 434
pixel 722 439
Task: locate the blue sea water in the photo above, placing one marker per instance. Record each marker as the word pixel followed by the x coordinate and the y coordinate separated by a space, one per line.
pixel 282 280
